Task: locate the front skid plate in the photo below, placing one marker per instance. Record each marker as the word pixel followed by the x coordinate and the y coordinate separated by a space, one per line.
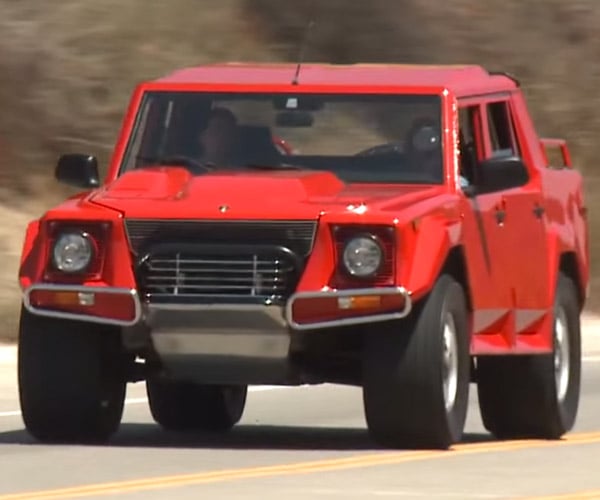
pixel 225 345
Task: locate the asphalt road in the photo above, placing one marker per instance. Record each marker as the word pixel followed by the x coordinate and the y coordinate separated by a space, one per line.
pixel 296 443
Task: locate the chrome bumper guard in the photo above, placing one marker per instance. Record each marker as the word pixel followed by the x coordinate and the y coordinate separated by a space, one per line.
pixel 287 314
pixel 366 318
pixel 83 289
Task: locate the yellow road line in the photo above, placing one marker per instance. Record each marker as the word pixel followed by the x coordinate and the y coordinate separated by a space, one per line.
pixel 370 460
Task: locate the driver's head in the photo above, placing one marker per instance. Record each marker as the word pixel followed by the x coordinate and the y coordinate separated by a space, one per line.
pixel 218 139
pixel 423 144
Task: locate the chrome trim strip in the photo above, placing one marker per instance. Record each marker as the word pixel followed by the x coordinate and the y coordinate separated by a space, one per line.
pixel 83 317
pixel 349 321
pixel 524 318
pixel 158 306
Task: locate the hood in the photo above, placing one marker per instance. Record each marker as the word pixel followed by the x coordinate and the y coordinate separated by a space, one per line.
pixel 291 194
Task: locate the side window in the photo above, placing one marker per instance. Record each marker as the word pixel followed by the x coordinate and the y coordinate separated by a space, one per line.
pixel 502 167
pixel 469 150
pixel 503 139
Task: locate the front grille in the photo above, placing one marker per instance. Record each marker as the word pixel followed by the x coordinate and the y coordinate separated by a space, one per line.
pixel 195 276
pixel 298 236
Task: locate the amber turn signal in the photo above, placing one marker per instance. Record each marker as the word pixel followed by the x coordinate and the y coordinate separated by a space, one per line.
pixel 360 302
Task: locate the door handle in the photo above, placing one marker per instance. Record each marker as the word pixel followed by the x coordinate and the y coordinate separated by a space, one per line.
pixel 500 215
pixel 538 211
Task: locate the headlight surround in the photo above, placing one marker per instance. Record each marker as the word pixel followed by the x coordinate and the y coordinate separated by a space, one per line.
pixel 363 256
pixel 73 252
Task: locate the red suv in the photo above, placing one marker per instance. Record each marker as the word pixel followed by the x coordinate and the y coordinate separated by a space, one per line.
pixel 398 228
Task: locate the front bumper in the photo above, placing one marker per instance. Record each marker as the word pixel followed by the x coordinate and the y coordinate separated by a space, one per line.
pixel 221 343
pixel 327 308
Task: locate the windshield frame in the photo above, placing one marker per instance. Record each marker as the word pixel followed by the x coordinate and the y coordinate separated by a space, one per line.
pixel 133 120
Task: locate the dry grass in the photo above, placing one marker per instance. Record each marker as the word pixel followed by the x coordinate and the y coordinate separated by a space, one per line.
pixel 69 67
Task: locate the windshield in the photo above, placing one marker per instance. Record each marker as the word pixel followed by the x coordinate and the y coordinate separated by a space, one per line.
pixel 360 138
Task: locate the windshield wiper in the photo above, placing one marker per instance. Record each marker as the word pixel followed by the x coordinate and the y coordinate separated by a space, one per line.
pixel 191 162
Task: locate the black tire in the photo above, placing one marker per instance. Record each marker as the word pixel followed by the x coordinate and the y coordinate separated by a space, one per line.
pixel 518 395
pixel 403 387
pixel 182 406
pixel 71 379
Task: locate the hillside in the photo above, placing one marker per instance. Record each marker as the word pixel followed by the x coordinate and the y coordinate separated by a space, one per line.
pixel 69 68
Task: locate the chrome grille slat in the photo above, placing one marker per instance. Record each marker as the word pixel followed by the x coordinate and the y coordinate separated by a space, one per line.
pixel 214 287
pixel 183 262
pixel 222 271
pixel 227 279
pixel 199 295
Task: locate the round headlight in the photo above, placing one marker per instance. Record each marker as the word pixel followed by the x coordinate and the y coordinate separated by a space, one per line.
pixel 72 252
pixel 363 256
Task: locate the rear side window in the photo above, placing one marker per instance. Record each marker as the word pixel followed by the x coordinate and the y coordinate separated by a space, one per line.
pixel 501 129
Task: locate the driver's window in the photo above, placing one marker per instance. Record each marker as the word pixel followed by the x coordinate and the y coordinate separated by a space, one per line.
pixel 469 153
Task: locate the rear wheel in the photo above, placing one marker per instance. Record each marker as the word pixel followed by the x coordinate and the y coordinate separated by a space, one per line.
pixel 536 396
pixel 181 406
pixel 416 374
pixel 71 379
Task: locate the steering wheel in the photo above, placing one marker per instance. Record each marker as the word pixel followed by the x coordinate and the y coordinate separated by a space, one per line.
pixel 188 162
pixel 391 147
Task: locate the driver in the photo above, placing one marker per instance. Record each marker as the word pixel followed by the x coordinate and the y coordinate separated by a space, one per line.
pixel 218 140
pixel 423 147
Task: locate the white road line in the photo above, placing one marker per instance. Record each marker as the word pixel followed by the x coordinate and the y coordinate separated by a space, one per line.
pixel 262 388
pixel 10 413
pixel 137 401
pixel 258 388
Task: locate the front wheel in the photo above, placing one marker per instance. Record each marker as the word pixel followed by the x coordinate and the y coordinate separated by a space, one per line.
pixel 71 379
pixel 417 373
pixel 536 396
pixel 181 406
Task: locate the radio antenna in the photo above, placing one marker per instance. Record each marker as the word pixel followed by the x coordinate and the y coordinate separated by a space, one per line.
pixel 311 23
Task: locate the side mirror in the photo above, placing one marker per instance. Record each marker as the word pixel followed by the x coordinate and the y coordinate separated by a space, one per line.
pixel 78 170
pixel 497 174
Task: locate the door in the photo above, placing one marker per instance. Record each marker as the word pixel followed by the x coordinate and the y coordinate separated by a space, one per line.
pixel 525 241
pixel 484 233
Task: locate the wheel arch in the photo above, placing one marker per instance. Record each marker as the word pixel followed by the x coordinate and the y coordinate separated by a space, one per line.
pixel 568 265
pixel 452 263
pixel 456 266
